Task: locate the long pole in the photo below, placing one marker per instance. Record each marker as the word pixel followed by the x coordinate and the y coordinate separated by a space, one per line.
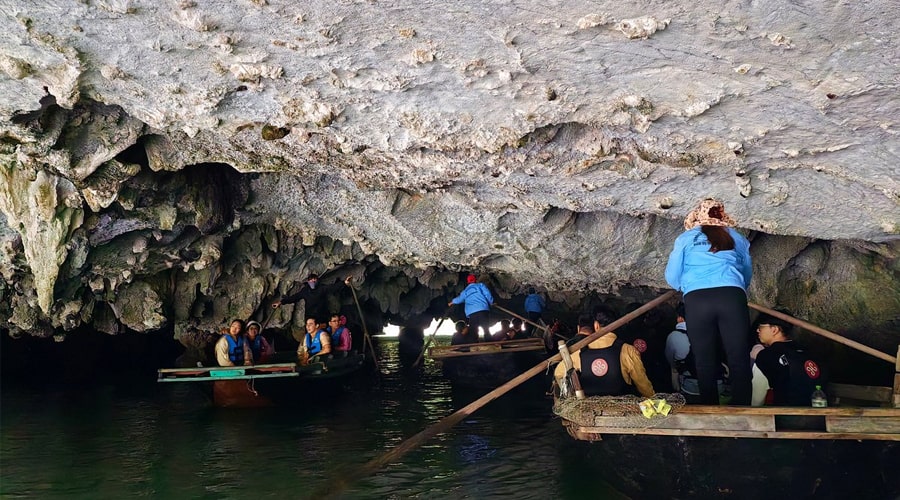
pixel 428 343
pixel 362 320
pixel 825 333
pixel 532 323
pixel 337 486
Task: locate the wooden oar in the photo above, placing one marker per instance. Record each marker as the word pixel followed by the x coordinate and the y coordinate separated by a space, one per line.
pixel 362 319
pixel 507 311
pixel 337 485
pixel 425 346
pixel 825 333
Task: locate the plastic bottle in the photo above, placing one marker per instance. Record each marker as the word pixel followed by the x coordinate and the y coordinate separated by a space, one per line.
pixel 818 398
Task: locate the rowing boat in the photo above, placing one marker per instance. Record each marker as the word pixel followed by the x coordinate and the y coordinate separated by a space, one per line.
pixel 264 385
pixel 487 364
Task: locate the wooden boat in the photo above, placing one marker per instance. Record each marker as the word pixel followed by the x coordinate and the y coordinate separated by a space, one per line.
pixel 487 363
pixel 748 422
pixel 263 385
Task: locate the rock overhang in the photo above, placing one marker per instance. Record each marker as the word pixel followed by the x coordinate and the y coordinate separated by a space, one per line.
pixel 486 135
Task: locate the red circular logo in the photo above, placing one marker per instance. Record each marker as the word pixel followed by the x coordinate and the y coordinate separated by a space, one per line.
pixel 640 345
pixel 812 369
pixel 599 367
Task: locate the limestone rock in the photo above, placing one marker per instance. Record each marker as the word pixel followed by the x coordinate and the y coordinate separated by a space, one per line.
pixel 182 163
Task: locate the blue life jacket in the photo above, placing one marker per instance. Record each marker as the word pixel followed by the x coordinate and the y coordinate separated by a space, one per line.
pixel 235 350
pixel 314 344
pixel 336 336
pixel 601 371
pixel 255 346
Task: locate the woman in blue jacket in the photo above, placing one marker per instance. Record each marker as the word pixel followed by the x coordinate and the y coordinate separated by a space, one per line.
pixel 711 265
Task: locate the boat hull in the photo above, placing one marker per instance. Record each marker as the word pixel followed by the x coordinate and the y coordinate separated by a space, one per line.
pixel 259 386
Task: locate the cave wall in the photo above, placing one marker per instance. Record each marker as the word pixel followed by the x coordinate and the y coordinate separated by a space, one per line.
pixel 172 165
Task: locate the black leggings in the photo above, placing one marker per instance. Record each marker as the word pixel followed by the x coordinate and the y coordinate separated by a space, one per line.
pixel 480 319
pixel 720 313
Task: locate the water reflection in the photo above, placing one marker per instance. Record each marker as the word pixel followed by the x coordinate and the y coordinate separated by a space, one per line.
pixel 139 439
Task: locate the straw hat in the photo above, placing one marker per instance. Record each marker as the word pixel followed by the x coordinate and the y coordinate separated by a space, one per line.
pixel 700 216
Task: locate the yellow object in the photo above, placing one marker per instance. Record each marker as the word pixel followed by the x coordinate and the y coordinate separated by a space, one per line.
pixel 647 408
pixel 664 408
pixel 652 407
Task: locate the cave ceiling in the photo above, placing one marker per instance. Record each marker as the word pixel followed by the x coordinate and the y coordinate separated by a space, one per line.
pixel 557 143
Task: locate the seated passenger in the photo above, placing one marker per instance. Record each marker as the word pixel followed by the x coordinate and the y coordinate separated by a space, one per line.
pixel 516 328
pixel 461 336
pixel 503 333
pixel 792 373
pixel 585 328
pixel 316 342
pixel 341 340
pixel 759 382
pixel 260 348
pixel 614 367
pixel 681 362
pixel 232 348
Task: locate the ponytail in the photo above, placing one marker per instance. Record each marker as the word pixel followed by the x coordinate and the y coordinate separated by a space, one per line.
pixel 719 238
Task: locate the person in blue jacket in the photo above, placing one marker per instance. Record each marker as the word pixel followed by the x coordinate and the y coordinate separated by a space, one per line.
pixel 534 308
pixel 478 300
pixel 711 265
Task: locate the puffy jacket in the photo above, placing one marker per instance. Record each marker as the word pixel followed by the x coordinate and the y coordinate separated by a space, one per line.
pixel 534 303
pixel 477 298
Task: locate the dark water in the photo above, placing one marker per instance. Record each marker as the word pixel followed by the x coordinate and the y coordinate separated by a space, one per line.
pixel 134 438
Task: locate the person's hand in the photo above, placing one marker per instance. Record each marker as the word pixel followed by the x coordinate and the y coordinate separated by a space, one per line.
pixel 450 304
pixel 348 280
pixel 276 304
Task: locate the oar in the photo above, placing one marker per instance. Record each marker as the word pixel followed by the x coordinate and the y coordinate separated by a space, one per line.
pixel 532 323
pixel 366 339
pixel 425 347
pixel 339 484
pixel 546 328
pixel 825 333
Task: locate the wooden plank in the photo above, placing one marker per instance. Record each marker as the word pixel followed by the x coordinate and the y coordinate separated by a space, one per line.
pixel 862 425
pixel 237 377
pixel 861 392
pixel 789 410
pixel 897 390
pixel 757 423
pixel 588 432
pixel 288 366
pixel 484 353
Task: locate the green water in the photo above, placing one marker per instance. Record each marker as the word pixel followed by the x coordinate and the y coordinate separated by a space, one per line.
pixel 134 438
pixel 139 439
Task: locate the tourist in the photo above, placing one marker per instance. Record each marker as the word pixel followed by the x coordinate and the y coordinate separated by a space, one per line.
pixel 341 340
pixel 260 348
pixel 585 328
pixel 232 348
pixel 792 373
pixel 477 299
pixel 461 335
pixel 516 329
pixel 504 332
pixel 534 308
pixel 615 368
pixel 316 342
pixel 710 264
pixel 682 365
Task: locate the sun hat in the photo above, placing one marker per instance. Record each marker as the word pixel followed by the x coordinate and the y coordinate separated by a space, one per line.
pixel 700 216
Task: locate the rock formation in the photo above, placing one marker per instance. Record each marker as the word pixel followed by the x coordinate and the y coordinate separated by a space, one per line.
pixel 173 164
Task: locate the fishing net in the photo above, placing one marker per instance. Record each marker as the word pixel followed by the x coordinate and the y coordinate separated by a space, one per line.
pixel 616 411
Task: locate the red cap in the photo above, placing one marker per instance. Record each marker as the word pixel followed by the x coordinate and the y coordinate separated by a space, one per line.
pixel 470 278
